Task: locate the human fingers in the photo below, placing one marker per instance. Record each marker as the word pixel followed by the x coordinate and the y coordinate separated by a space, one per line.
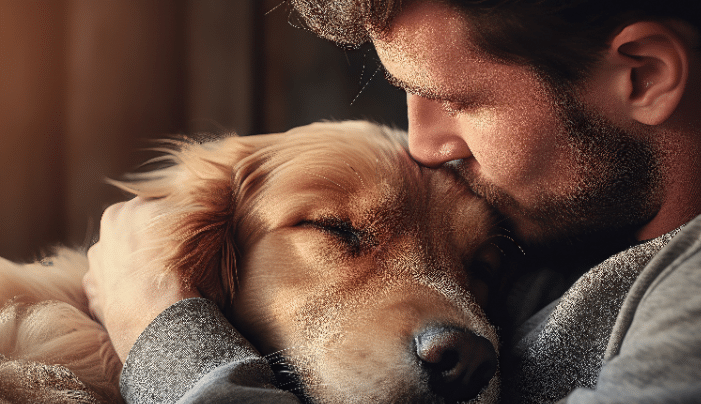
pixel 113 260
pixel 127 244
pixel 116 282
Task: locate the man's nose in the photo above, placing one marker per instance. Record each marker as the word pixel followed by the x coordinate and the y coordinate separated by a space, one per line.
pixel 434 133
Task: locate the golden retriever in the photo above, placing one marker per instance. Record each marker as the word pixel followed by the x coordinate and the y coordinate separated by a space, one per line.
pixel 355 270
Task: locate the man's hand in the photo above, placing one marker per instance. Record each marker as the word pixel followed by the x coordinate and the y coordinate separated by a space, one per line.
pixel 125 285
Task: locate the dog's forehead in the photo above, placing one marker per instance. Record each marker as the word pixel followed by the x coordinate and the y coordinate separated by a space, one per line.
pixel 341 172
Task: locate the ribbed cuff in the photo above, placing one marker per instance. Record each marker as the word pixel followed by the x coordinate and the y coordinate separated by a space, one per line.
pixel 186 341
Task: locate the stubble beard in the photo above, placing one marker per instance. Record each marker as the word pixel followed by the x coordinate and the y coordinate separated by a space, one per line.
pixel 617 188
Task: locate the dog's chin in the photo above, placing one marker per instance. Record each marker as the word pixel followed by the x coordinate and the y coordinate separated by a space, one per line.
pixel 410 346
pixel 287 378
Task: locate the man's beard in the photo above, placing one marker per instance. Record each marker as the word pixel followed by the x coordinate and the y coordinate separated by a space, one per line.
pixel 617 189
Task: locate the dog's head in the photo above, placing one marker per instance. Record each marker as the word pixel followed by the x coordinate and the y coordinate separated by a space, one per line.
pixel 354 269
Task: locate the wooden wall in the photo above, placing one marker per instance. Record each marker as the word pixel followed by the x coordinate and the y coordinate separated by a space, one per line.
pixel 85 83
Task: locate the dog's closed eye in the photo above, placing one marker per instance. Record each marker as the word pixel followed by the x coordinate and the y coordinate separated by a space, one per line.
pixel 343 230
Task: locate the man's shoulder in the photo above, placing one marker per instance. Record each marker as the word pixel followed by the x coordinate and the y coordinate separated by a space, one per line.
pixel 665 286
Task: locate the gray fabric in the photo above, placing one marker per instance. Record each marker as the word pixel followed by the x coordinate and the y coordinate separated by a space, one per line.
pixel 187 341
pixel 654 354
pixel 579 344
pixel 237 382
pixel 566 350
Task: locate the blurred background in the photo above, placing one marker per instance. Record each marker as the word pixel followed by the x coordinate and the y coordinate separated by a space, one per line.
pixel 85 83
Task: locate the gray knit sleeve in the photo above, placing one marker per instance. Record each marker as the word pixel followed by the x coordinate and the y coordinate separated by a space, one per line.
pixel 186 342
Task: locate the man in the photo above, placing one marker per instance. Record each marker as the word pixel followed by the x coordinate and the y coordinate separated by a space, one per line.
pixel 578 120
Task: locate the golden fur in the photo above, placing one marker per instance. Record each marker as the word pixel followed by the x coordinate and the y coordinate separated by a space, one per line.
pixel 327 246
pixel 45 329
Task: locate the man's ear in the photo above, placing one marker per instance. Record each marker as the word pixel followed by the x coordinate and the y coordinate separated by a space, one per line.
pixel 656 60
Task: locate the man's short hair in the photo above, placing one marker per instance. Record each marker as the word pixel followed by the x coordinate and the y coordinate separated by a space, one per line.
pixel 560 39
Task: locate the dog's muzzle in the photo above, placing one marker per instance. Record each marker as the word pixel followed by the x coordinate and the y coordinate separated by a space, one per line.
pixel 458 363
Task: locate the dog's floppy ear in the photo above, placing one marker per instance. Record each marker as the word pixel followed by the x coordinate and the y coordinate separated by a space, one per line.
pixel 201 184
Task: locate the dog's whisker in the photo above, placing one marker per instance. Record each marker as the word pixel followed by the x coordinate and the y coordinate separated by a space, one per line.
pixel 498 248
pixel 512 240
pixel 506 237
pixel 504 229
pixel 278 353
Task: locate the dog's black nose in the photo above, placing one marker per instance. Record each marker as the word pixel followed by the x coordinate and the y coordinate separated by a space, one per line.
pixel 459 363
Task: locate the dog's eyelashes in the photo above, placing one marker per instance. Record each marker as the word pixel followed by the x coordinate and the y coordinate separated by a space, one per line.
pixel 345 232
pixel 340 229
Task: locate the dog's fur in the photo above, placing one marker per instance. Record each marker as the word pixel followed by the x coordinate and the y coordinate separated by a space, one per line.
pixel 328 247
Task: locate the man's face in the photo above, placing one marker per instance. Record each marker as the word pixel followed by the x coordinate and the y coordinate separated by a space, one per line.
pixel 552 165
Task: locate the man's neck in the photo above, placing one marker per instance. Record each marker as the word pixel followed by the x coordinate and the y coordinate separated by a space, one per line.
pixel 672 216
pixel 682 184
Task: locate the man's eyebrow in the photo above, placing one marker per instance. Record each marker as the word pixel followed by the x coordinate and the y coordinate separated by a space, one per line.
pixel 396 82
pixel 416 90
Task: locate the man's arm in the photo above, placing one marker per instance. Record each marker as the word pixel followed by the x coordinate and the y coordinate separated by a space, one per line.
pixel 191 354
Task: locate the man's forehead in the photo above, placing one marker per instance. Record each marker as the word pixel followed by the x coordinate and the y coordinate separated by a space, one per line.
pixel 424 46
